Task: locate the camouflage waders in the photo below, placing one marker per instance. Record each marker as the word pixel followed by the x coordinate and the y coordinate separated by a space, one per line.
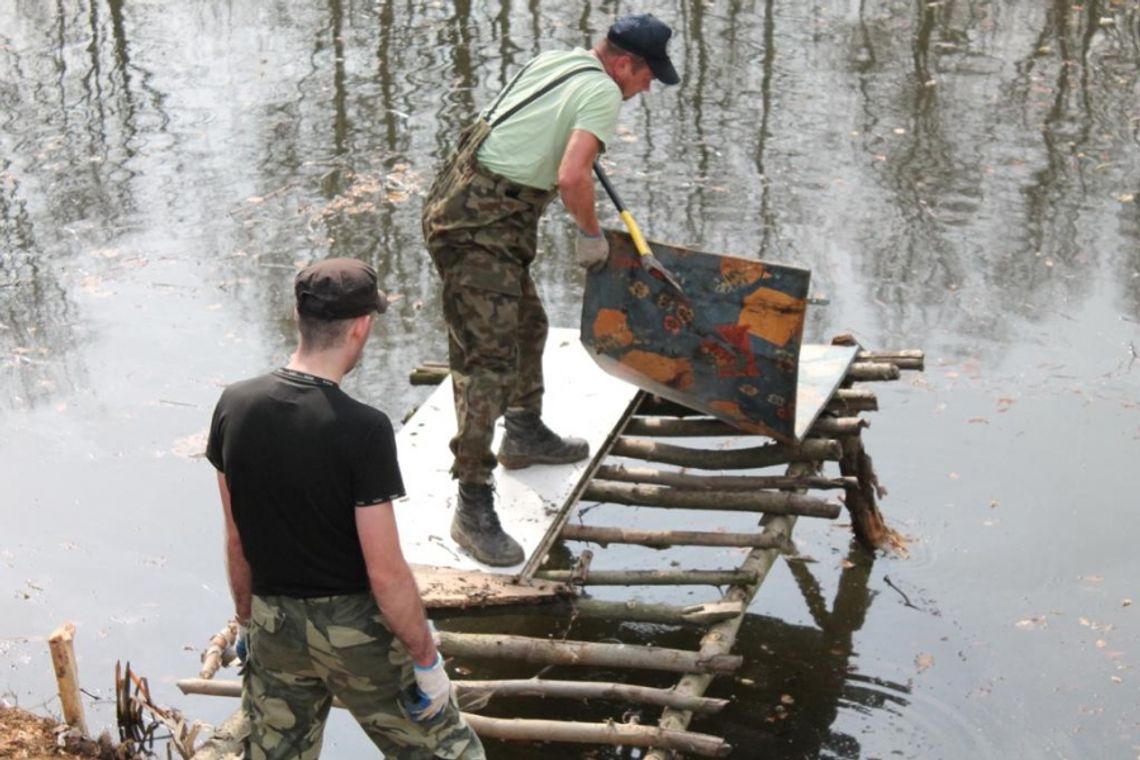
pixel 303 652
pixel 481 230
pixel 482 233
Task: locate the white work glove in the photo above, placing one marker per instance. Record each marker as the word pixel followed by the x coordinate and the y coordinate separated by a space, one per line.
pixel 591 251
pixel 434 690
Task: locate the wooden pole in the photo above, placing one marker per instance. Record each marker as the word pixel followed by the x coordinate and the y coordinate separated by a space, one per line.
pixel 872 371
pixel 836 426
pixel 468 691
pixel 429 373
pixel 850 400
pixel 909 359
pixel 662 538
pixel 772 454
pixel 772 502
pixel 62 645
pixel 866 520
pixel 653 577
pixel 547 652
pixel 649 612
pixel 619 734
pixel 624 474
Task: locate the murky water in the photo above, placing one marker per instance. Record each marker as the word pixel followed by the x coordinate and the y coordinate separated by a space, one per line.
pixel 960 176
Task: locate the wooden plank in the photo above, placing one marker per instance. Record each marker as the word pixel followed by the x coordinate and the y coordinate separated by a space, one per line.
pixel 448 588
pixel 653 577
pixel 581 400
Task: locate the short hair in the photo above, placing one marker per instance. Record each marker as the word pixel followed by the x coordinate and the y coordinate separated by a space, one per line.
pixel 610 49
pixel 322 334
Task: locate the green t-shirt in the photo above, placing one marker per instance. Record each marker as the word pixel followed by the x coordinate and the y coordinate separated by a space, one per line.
pixel 527 148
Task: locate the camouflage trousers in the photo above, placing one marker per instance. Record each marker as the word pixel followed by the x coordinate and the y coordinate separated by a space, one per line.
pixel 304 652
pixel 481 230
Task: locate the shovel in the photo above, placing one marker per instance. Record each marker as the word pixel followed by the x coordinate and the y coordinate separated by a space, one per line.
pixel 648 260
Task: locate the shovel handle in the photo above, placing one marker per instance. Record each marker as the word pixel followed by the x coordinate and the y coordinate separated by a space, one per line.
pixel 634 231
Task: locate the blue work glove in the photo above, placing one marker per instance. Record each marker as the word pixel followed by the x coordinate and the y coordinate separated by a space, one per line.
pixel 241 647
pixel 433 689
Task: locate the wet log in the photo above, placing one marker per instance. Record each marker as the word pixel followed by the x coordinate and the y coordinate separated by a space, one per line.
pixel 684 480
pixel 661 538
pixel 648 612
pixel 709 483
pixel 617 734
pixel 837 426
pixel 227 740
pixel 772 502
pixel 867 521
pixel 481 691
pixel 769 455
pixel 429 373
pixel 219 651
pixel 872 371
pixel 850 400
pixel 909 359
pixel 548 652
pixel 653 577
pixel 62 645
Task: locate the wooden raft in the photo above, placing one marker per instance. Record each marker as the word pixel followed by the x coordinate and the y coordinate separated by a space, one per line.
pixel 722 471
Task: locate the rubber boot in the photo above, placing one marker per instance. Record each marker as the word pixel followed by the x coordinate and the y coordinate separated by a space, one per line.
pixel 528 441
pixel 476 528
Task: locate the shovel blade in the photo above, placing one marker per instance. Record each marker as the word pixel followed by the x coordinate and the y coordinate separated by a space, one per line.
pixel 727 345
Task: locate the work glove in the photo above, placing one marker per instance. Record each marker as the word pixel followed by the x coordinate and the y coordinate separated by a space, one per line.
pixel 241 645
pixel 434 691
pixel 591 251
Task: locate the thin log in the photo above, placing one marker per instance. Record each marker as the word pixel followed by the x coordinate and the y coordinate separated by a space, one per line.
pixel 836 426
pixel 429 373
pixel 852 400
pixel 62 645
pixel 648 612
pixel 772 502
pixel 662 406
pixel 481 691
pixel 872 371
pixel 548 652
pixel 684 480
pixel 769 455
pixel 866 520
pixel 226 741
pixel 617 734
pixel 215 655
pixel 653 577
pixel 662 538
pixel 681 427
pixel 909 359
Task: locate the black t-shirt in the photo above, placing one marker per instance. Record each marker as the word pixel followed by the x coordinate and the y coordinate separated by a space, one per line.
pixel 300 456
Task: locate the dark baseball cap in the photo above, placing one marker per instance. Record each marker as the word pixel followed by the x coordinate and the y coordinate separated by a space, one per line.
pixel 338 289
pixel 645 35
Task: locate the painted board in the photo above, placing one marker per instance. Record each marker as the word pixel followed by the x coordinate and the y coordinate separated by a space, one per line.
pixel 581 400
pixel 727 345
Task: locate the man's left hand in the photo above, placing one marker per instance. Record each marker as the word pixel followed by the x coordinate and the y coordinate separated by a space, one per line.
pixel 591 251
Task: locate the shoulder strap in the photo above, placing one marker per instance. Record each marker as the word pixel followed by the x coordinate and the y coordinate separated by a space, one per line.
pixel 535 95
pixel 510 85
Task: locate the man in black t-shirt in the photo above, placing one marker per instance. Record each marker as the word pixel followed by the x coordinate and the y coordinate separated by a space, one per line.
pixel 307 476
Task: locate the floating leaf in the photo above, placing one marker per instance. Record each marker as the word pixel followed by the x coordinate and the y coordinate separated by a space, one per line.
pixel 924 661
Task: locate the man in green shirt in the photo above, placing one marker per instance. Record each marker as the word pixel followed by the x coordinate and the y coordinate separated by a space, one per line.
pixel 537 140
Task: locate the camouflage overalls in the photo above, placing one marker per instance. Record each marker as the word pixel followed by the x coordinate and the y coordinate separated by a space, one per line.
pixel 481 230
pixel 303 652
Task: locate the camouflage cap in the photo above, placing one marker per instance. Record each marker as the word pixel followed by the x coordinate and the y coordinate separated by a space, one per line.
pixel 339 288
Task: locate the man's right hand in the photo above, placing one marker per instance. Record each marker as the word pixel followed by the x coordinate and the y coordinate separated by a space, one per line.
pixel 591 251
pixel 435 686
